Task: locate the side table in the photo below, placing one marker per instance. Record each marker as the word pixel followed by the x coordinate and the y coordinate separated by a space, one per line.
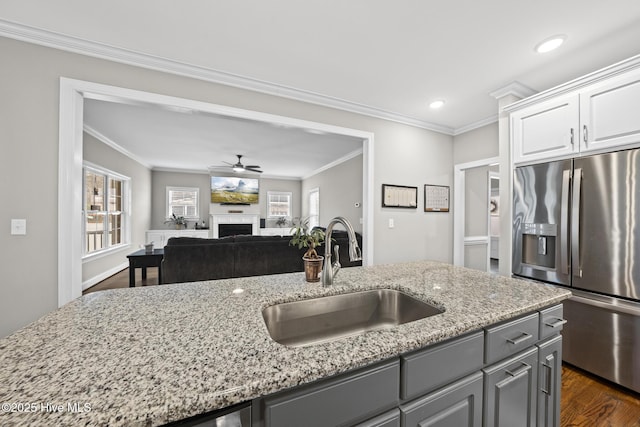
pixel 142 259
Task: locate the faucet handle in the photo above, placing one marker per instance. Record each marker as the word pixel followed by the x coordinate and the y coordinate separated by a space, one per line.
pixel 355 254
pixel 336 264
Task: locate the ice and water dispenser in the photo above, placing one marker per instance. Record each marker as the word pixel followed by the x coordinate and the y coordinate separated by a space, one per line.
pixel 539 245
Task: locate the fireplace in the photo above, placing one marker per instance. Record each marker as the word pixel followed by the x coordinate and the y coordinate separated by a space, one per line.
pixel 225 230
pixel 234 224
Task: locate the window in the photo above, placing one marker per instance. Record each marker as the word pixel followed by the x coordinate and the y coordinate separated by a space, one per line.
pixel 183 201
pixel 106 210
pixel 314 208
pixel 278 204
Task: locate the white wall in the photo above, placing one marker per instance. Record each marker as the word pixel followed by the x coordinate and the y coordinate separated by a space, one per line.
pixel 100 154
pixel 29 107
pixel 340 189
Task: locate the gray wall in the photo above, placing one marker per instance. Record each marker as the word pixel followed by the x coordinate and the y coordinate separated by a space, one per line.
pixel 292 186
pixel 340 189
pixel 100 154
pixel 161 180
pixel 29 107
pixel 481 143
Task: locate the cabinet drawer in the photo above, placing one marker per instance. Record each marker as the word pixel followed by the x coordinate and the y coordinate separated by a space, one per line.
pixel 427 370
pixel 504 340
pixel 551 321
pixel 458 404
pixel 344 400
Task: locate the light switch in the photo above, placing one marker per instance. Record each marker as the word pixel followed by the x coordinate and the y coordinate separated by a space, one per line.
pixel 18 227
pixel 391 223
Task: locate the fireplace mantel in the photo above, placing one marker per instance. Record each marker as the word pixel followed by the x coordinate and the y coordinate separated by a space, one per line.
pixel 217 219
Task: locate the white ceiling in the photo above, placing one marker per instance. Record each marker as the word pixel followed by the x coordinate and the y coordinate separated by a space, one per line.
pixel 197 141
pixel 391 57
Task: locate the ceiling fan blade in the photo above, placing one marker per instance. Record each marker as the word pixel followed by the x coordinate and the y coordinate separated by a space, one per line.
pixel 230 164
pixel 252 167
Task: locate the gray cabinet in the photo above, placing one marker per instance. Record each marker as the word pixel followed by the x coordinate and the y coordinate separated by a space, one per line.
pixel 388 419
pixel 340 401
pixel 510 391
pixel 422 371
pixel 508 338
pixel 549 375
pixel 506 375
pixel 458 404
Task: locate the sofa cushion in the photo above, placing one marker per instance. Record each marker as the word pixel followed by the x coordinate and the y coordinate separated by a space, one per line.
pixel 197 262
pixel 260 257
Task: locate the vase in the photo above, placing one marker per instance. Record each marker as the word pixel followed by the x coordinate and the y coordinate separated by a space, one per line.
pixel 313 268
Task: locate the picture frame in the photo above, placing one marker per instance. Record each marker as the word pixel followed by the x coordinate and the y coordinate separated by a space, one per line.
pixel 436 198
pixel 399 196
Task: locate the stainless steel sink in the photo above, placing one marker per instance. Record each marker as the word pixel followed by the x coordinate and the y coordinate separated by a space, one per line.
pixel 317 320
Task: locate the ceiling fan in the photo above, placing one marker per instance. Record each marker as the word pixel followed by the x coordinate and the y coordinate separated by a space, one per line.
pixel 239 167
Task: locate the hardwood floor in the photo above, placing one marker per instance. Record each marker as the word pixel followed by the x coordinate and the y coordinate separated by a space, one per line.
pixel 121 280
pixel 586 400
pixel 589 401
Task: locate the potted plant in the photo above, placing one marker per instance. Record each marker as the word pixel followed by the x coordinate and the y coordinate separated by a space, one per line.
pixel 179 221
pixel 281 222
pixel 302 237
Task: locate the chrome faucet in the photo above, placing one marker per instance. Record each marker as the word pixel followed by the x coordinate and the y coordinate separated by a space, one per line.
pixel 330 270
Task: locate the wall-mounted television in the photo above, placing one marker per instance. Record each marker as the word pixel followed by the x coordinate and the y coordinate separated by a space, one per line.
pixel 234 190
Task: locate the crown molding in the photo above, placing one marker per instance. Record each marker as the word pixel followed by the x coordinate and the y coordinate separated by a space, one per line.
pixel 476 125
pixel 335 163
pixel 80 46
pixel 109 142
pixel 580 82
pixel 514 88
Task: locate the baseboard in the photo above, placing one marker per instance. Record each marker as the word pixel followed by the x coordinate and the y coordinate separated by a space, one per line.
pixel 100 277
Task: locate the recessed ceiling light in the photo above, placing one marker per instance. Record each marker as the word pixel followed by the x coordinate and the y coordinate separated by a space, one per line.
pixel 550 44
pixel 436 104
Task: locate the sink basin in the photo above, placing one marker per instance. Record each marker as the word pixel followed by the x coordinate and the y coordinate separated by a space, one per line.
pixel 317 320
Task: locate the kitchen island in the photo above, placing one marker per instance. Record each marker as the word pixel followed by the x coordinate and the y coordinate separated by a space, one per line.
pixel 153 355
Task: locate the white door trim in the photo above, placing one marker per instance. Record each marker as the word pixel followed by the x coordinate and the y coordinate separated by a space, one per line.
pixel 459 205
pixel 72 95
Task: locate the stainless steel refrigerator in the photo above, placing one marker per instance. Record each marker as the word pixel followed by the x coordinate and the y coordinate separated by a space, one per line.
pixel 577 224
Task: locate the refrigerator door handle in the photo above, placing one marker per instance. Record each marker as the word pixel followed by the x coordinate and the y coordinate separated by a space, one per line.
pixel 564 222
pixel 575 223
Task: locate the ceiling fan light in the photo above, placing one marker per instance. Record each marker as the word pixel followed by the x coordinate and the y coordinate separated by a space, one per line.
pixel 238 169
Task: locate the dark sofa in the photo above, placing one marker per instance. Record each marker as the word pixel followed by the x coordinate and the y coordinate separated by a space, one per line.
pixel 189 259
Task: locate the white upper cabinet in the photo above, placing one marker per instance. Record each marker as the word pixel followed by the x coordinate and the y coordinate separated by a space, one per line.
pixel 545 130
pixel 601 115
pixel 610 112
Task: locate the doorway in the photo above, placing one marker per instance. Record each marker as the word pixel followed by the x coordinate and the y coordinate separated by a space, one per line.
pixel 476 226
pixel 72 96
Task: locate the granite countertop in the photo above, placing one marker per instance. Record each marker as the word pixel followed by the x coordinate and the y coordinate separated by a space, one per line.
pixel 151 355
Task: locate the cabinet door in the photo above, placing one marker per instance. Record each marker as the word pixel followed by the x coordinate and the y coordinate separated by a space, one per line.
pixel 609 112
pixel 157 237
pixel 510 391
pixel 549 378
pixel 546 130
pixel 458 404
